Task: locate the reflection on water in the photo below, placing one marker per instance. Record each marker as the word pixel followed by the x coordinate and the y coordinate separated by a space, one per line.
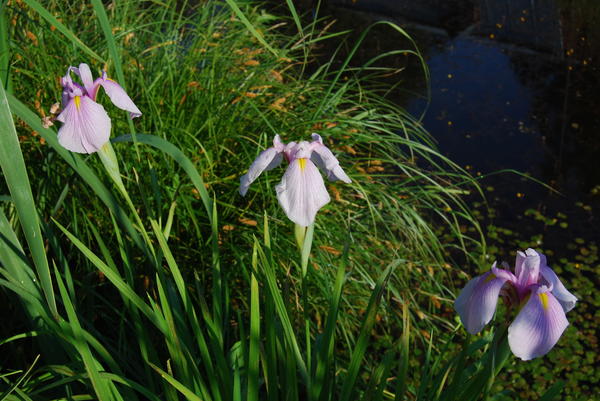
pixel 513 86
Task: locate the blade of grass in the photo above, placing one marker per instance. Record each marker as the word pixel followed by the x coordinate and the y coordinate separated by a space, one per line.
pixel 189 394
pixel 251 28
pixel 253 349
pixel 17 180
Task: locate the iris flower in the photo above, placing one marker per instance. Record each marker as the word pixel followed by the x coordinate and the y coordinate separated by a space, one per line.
pixel 301 192
pixel 86 126
pixel 534 290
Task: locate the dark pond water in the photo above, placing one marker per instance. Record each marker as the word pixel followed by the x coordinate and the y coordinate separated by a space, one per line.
pixel 515 84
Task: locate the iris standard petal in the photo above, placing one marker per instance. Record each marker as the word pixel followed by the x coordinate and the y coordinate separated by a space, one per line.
pixel 324 158
pixel 86 126
pixel 477 302
pixel 118 96
pixel 538 326
pixel 85 74
pixel 529 270
pixel 266 160
pixel 562 295
pixel 301 192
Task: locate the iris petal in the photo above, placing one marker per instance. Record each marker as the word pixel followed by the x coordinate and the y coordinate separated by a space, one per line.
pixel 267 159
pixel 301 192
pixel 562 295
pixel 528 270
pixel 324 158
pixel 85 74
pixel 538 326
pixel 118 96
pixel 86 126
pixel 477 302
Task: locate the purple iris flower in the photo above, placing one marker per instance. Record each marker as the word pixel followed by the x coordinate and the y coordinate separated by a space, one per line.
pixel 301 192
pixel 86 126
pixel 534 290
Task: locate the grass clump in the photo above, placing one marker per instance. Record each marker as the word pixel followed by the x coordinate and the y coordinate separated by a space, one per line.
pixel 152 279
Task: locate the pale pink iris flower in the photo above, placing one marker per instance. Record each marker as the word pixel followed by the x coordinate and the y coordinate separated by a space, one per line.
pixel 534 290
pixel 301 192
pixel 86 126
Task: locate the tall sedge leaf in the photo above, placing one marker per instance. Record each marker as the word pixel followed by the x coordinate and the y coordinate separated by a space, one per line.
pixel 254 341
pixel 363 338
pixel 51 19
pixel 4 48
pixel 13 168
pixel 110 39
pixel 189 394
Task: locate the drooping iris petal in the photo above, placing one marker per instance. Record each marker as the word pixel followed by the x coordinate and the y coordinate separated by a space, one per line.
pixel 477 302
pixel 528 271
pixel 324 158
pixel 266 160
pixel 86 125
pixel 562 295
pixel 538 326
pixel 301 192
pixel 118 95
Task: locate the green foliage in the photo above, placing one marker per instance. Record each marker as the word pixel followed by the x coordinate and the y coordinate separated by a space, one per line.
pixel 156 261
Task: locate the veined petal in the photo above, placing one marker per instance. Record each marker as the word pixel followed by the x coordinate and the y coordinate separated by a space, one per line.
pixel 538 326
pixel 301 192
pixel 85 74
pixel 529 270
pixel 324 158
pixel 562 295
pixel 266 160
pixel 86 125
pixel 118 96
pixel 477 302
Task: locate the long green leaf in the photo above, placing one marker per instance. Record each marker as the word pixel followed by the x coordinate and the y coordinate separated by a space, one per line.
pixel 189 394
pixel 15 173
pixel 254 340
pixel 365 331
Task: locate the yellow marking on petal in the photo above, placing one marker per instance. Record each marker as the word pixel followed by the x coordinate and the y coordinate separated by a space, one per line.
pixel 490 278
pixel 544 298
pixel 302 163
pixel 77 100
